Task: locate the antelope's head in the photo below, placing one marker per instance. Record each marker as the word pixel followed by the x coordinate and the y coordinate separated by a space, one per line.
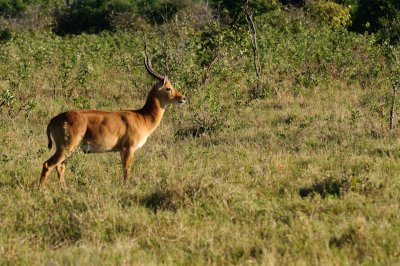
pixel 164 91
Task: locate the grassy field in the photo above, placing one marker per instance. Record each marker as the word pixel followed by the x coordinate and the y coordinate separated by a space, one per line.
pixel 306 174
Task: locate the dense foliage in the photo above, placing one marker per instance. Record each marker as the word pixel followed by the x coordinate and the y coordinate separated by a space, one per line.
pixel 92 16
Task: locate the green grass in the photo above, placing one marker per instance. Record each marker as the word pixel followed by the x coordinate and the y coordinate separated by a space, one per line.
pixel 307 175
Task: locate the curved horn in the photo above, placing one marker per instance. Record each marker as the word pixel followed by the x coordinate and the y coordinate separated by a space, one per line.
pixel 147 63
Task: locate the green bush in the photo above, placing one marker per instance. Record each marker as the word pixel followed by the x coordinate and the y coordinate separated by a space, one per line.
pixel 84 16
pixel 14 8
pixel 331 14
pixel 94 16
pixel 160 11
pixel 11 7
pixel 390 30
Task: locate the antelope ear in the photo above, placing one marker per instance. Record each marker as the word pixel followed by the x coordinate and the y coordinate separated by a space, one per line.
pixel 165 81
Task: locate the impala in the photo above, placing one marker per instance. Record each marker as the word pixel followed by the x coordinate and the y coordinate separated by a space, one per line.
pixel 98 131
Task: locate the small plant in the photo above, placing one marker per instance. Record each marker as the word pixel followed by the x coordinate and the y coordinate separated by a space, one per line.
pixel 29 107
pixel 7 98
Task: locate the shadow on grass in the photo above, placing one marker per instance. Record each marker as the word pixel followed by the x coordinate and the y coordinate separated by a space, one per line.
pixel 165 200
pixel 324 188
pixel 349 237
pixel 161 200
pixel 194 132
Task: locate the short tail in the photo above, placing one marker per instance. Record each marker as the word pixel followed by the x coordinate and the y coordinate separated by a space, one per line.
pixel 50 143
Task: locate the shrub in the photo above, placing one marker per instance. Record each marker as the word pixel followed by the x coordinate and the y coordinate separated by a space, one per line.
pixel 93 16
pixel 378 16
pixel 160 11
pixel 331 14
pixel 390 30
pixel 11 7
pixel 84 16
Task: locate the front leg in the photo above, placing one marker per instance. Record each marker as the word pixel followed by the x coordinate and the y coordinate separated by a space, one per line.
pixel 127 158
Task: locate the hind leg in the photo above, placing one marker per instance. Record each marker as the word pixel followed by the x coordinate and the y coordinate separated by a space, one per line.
pixel 67 130
pixel 50 164
pixel 60 171
pixel 57 161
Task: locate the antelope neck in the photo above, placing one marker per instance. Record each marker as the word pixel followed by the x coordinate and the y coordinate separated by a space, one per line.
pixel 152 111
